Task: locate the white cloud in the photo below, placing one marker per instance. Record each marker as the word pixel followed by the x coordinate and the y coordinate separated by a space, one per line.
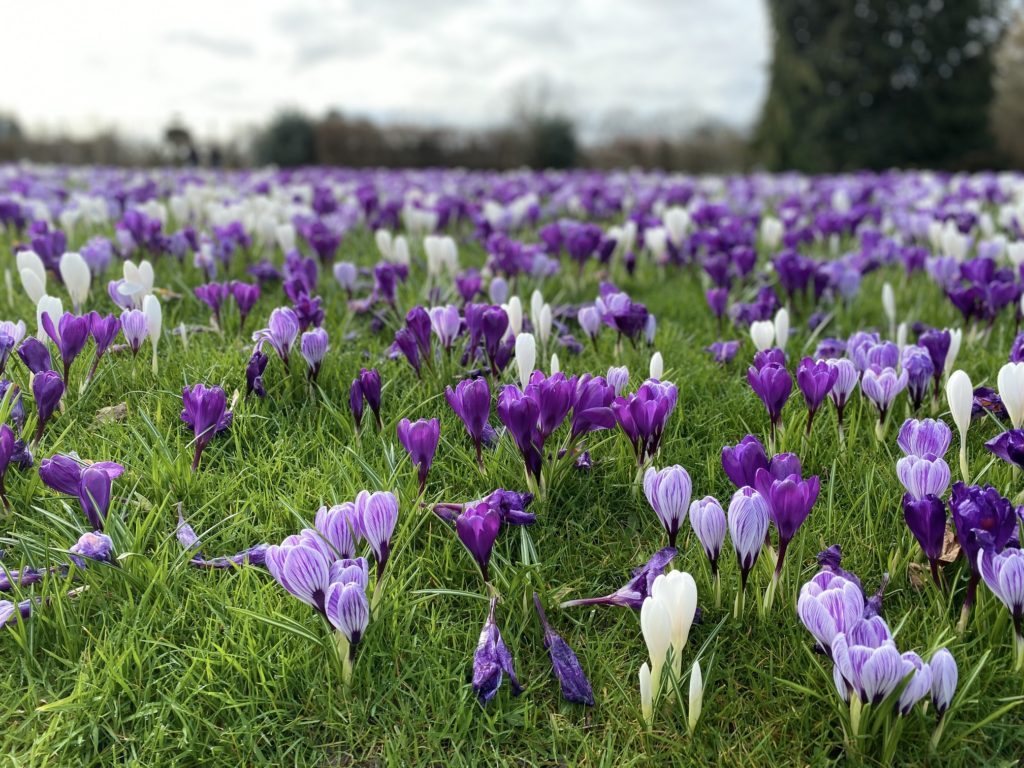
pixel 222 66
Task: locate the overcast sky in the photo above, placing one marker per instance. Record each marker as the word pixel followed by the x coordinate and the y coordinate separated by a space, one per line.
pixel 220 66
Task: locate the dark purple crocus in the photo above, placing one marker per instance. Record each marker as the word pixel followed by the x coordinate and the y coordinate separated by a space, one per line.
pixel 920 369
pixel 926 519
pixel 254 374
pixel 91 483
pixel 419 438
pixel 591 406
pixel 205 411
pixel 417 320
pixel 492 661
pixel 1009 446
pixel 554 397
pixel 478 528
pixel 47 389
pixel 772 355
pixel 519 414
pixel 355 403
pixel 564 662
pixel 471 401
pixel 370 385
pixel 511 505
pixel 245 295
pixel 405 342
pixel 789 503
pixel 815 379
pixel 35 355
pixel 644 415
pixel 638 588
pixel 937 343
pixel 7 441
pixel 103 331
pixel 213 295
pixel 772 384
pixel 980 512
pixel 70 336
pixel 718 301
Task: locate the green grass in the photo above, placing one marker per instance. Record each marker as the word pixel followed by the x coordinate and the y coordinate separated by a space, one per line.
pixel 156 663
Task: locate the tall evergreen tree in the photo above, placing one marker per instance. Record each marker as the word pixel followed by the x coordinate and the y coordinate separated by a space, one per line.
pixel 879 83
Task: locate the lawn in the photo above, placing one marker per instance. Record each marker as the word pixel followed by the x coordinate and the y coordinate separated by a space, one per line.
pixel 154 662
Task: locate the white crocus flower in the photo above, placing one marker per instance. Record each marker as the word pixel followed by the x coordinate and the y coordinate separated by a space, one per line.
pixel 400 251
pixel 762 333
pixel 696 697
pixel 889 306
pixel 285 236
pixel 657 366
pixel 51 306
pixel 154 321
pixel 960 396
pixel 678 591
pixel 74 271
pixel 526 357
pixel 514 310
pixel 1011 391
pixel 544 323
pixel 656 625
pixel 781 328
pixel 138 281
pixel 383 239
pixel 956 336
pixel 646 695
pixel 556 366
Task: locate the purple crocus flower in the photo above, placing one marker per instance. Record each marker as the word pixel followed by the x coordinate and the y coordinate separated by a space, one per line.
pixel 918 686
pixel 355 403
pixel 419 438
pixel 923 476
pixel 1003 573
pixel 748 524
pixel 370 385
pixel 375 520
pixel 937 344
pixel 668 492
pixel 568 671
pixel 314 345
pixel 446 324
pixel 9 611
pixel 135 327
pixel 644 415
pixel 618 378
pixel 471 402
pixel 7 441
pixel 519 414
pixel 926 519
pixel 789 503
pixel 302 565
pixel 742 461
pixel 47 389
pixel 337 525
pixel 772 384
pixel 591 406
pixel 417 321
pixel 924 437
pixel 478 528
pixel 846 381
pixel 254 374
pixel 511 505
pixel 103 331
pixel 980 515
pixel 815 379
pixel 589 318
pixel 93 546
pixel 213 295
pixel 245 295
pixel 708 521
pixel 70 336
pixel 1009 446
pixel 918 365
pixel 345 273
pixel 205 411
pixel 65 474
pixel 868 662
pixel 492 661
pixel 348 611
pixel 94 495
pixel 830 604
pixel 718 301
pixel 944 679
pixel 280 333
pixel 638 588
pixel 723 352
pixel 468 283
pixel 35 355
pixel 405 342
pixel 772 355
pixel 881 386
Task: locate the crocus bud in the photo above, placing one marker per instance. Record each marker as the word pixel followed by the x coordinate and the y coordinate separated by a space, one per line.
pixel 314 345
pixel 944 679
pixel 960 396
pixel 668 492
pixel 678 591
pixel 544 324
pixel 51 306
pixel 33 275
pixel 154 322
pixel 955 338
pixel 1011 391
pixel 696 697
pixel 657 366
pixel 285 236
pixel 526 356
pixel 75 273
pixel 656 625
pixel 514 310
pixel 762 333
pixel 618 377
pixel 781 328
pixel 555 366
pixel 889 304
pixel 646 695
pixel 589 318
pixel 536 304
